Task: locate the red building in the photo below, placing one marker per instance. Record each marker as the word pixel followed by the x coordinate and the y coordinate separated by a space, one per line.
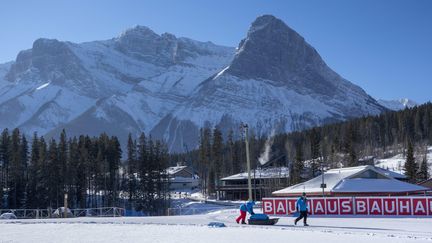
pixel 355 181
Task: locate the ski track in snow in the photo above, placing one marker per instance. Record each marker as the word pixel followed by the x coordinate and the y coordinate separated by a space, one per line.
pixel 194 229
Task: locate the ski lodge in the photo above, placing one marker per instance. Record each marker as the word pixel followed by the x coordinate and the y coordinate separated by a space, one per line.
pixel 264 182
pixel 182 178
pixel 355 181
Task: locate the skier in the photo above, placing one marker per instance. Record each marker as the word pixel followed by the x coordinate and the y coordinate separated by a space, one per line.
pixel 301 205
pixel 244 208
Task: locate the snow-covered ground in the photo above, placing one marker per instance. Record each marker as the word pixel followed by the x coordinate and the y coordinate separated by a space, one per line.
pixel 397 162
pixel 194 229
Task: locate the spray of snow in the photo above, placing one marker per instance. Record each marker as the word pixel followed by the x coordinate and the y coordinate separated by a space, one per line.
pixel 265 155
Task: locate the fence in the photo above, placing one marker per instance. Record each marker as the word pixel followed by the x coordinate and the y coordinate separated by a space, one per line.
pixel 78 212
pixel 193 211
pixel 361 206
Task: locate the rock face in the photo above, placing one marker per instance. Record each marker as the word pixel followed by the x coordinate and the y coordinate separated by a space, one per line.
pixel 125 84
pixel 171 87
pixel 276 81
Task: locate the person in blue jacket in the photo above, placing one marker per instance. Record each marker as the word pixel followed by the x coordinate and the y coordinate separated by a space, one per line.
pixel 301 205
pixel 244 209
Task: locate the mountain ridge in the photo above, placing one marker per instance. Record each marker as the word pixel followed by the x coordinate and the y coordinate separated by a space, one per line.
pixel 276 81
pixel 170 86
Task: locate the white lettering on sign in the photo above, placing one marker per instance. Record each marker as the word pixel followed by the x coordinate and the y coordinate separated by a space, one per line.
pixel 268 207
pixel 332 208
pixel 319 208
pixel 375 207
pixel 386 206
pixel 280 207
pixel 361 207
pixel 346 206
pixel 419 207
pixel 291 206
pixel 390 209
pixel 404 207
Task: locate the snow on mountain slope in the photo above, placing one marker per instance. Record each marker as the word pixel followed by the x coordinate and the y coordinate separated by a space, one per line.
pixel 276 81
pixel 4 68
pixel 399 104
pixel 47 107
pixel 171 87
pixel 133 80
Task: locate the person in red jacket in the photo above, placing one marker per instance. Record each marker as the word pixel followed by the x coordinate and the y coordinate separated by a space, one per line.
pixel 244 208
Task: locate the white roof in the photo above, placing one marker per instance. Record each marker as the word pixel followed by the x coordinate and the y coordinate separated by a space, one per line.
pixel 345 180
pixel 266 173
pixel 175 169
pixel 392 173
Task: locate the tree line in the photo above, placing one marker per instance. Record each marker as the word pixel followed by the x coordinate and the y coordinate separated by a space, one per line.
pixel 310 151
pixel 38 174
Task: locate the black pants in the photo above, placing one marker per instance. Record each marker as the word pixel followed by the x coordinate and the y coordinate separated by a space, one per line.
pixel 303 215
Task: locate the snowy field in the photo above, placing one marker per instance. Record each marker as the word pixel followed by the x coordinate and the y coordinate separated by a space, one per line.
pixel 194 229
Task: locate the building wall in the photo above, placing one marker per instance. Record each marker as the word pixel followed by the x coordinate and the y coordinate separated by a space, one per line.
pixel 183 173
pixel 238 189
pixel 427 184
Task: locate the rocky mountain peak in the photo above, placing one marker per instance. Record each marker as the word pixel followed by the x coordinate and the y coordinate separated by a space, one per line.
pixel 47 56
pixel 144 44
pixel 139 31
pixel 274 51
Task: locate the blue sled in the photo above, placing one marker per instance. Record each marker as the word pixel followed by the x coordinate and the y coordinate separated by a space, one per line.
pixel 262 219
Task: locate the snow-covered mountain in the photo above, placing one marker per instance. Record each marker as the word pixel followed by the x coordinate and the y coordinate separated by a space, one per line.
pixel 126 84
pixel 171 87
pixel 397 105
pixel 276 81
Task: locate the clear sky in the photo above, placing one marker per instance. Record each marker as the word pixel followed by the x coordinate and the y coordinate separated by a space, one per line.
pixel 384 46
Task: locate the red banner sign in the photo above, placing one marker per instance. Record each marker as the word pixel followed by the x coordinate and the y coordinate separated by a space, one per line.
pixel 372 206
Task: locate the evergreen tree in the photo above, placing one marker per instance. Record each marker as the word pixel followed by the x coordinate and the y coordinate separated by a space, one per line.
pixel 349 146
pixel 42 175
pixel 82 172
pixel 54 185
pixel 424 169
pixel 73 170
pixel 232 163
pixel 411 166
pixel 298 166
pixel 142 171
pixel 217 158
pixel 131 165
pixel 204 166
pixel 315 151
pixel 16 182
pixel 113 158
pixel 24 152
pixel 63 162
pixel 33 180
pixel 4 163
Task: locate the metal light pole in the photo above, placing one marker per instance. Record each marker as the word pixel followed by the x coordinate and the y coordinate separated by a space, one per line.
pixel 323 185
pixel 65 206
pixel 245 126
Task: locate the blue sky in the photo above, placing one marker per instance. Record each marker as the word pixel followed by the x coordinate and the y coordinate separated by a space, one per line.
pixel 383 46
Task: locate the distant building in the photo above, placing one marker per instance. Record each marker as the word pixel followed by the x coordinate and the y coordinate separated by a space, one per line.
pixel 427 183
pixel 182 178
pixel 264 182
pixel 354 181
